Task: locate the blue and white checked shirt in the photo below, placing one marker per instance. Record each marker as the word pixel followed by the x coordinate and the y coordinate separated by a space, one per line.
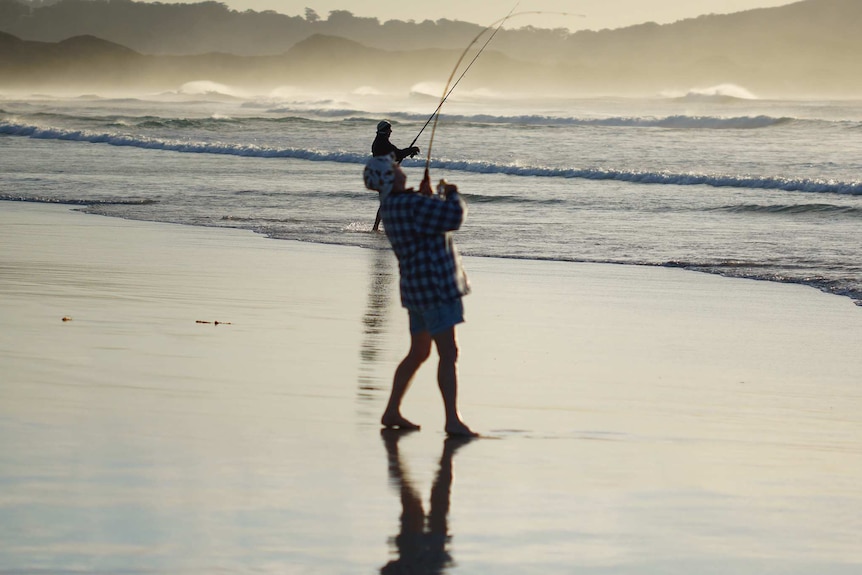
pixel 419 229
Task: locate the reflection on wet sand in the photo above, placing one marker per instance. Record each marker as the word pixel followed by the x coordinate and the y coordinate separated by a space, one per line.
pixel 421 543
pixel 374 322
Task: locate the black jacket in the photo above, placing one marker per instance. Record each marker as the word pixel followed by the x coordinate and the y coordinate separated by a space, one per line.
pixel 383 146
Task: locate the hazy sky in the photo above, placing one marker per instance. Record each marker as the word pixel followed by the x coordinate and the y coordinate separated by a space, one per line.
pixel 598 13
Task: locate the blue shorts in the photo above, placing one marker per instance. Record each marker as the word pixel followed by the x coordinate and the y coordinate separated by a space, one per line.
pixel 436 319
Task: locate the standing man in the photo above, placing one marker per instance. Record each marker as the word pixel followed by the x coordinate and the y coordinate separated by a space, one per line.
pixel 382 147
pixel 419 226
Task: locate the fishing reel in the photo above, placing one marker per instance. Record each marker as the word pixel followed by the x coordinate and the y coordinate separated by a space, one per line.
pixel 444 188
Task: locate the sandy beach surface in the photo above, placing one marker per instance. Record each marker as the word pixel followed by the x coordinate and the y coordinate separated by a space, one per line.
pixel 636 420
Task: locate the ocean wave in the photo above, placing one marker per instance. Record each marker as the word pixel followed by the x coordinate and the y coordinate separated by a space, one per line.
pixel 352 116
pixel 210 123
pixel 710 98
pixel 75 201
pixel 713 98
pixel 107 100
pixel 510 199
pixel 706 122
pixel 793 209
pixel 252 150
pixel 666 178
pixel 157 123
pixel 721 93
pixel 114 139
pixel 320 112
pixel 677 122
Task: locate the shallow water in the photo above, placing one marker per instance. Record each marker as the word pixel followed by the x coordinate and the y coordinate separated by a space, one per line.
pixel 739 187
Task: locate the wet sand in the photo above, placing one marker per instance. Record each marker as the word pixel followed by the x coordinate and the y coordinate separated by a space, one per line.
pixel 637 420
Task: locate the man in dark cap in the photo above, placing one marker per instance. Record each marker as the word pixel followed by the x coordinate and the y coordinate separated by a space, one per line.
pixel 382 146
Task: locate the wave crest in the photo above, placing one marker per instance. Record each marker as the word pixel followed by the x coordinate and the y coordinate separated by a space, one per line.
pixel 76 201
pixel 641 177
pixel 676 122
pixel 793 209
pixel 666 178
pixel 720 92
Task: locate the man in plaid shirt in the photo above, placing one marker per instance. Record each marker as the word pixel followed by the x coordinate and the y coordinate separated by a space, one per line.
pixel 419 226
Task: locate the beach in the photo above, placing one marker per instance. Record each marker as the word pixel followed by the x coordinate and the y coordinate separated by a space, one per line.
pixel 179 399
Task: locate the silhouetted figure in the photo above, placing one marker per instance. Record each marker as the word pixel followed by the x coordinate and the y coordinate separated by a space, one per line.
pixel 422 540
pixel 383 147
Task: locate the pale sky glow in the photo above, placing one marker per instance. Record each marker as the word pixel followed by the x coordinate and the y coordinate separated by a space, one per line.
pixel 598 14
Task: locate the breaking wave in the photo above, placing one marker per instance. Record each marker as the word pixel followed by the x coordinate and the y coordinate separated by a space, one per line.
pixel 251 150
pixel 667 178
pixel 676 122
pixel 720 93
pixel 793 209
pixel 76 201
pixel 293 114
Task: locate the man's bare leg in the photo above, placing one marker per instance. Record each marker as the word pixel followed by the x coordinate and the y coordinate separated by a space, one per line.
pixel 420 349
pixel 447 380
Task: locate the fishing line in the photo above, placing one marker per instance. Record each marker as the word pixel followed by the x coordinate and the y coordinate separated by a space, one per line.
pixel 447 91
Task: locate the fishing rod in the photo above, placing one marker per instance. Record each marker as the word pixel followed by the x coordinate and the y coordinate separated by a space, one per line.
pixel 447 91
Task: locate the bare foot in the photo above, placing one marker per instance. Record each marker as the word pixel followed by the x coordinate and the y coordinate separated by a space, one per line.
pixel 397 421
pixel 459 429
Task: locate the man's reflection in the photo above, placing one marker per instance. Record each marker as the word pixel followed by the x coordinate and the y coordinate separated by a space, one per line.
pixel 422 540
pixel 374 322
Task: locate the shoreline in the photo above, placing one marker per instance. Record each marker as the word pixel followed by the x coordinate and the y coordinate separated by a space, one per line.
pixel 639 419
pixel 81 207
pixel 599 292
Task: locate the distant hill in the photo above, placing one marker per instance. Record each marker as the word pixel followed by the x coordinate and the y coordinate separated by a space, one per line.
pixel 809 48
pixel 87 63
pixel 187 29
pixel 77 60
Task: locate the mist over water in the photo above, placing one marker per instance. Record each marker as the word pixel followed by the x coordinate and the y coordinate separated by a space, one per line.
pixel 713 180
